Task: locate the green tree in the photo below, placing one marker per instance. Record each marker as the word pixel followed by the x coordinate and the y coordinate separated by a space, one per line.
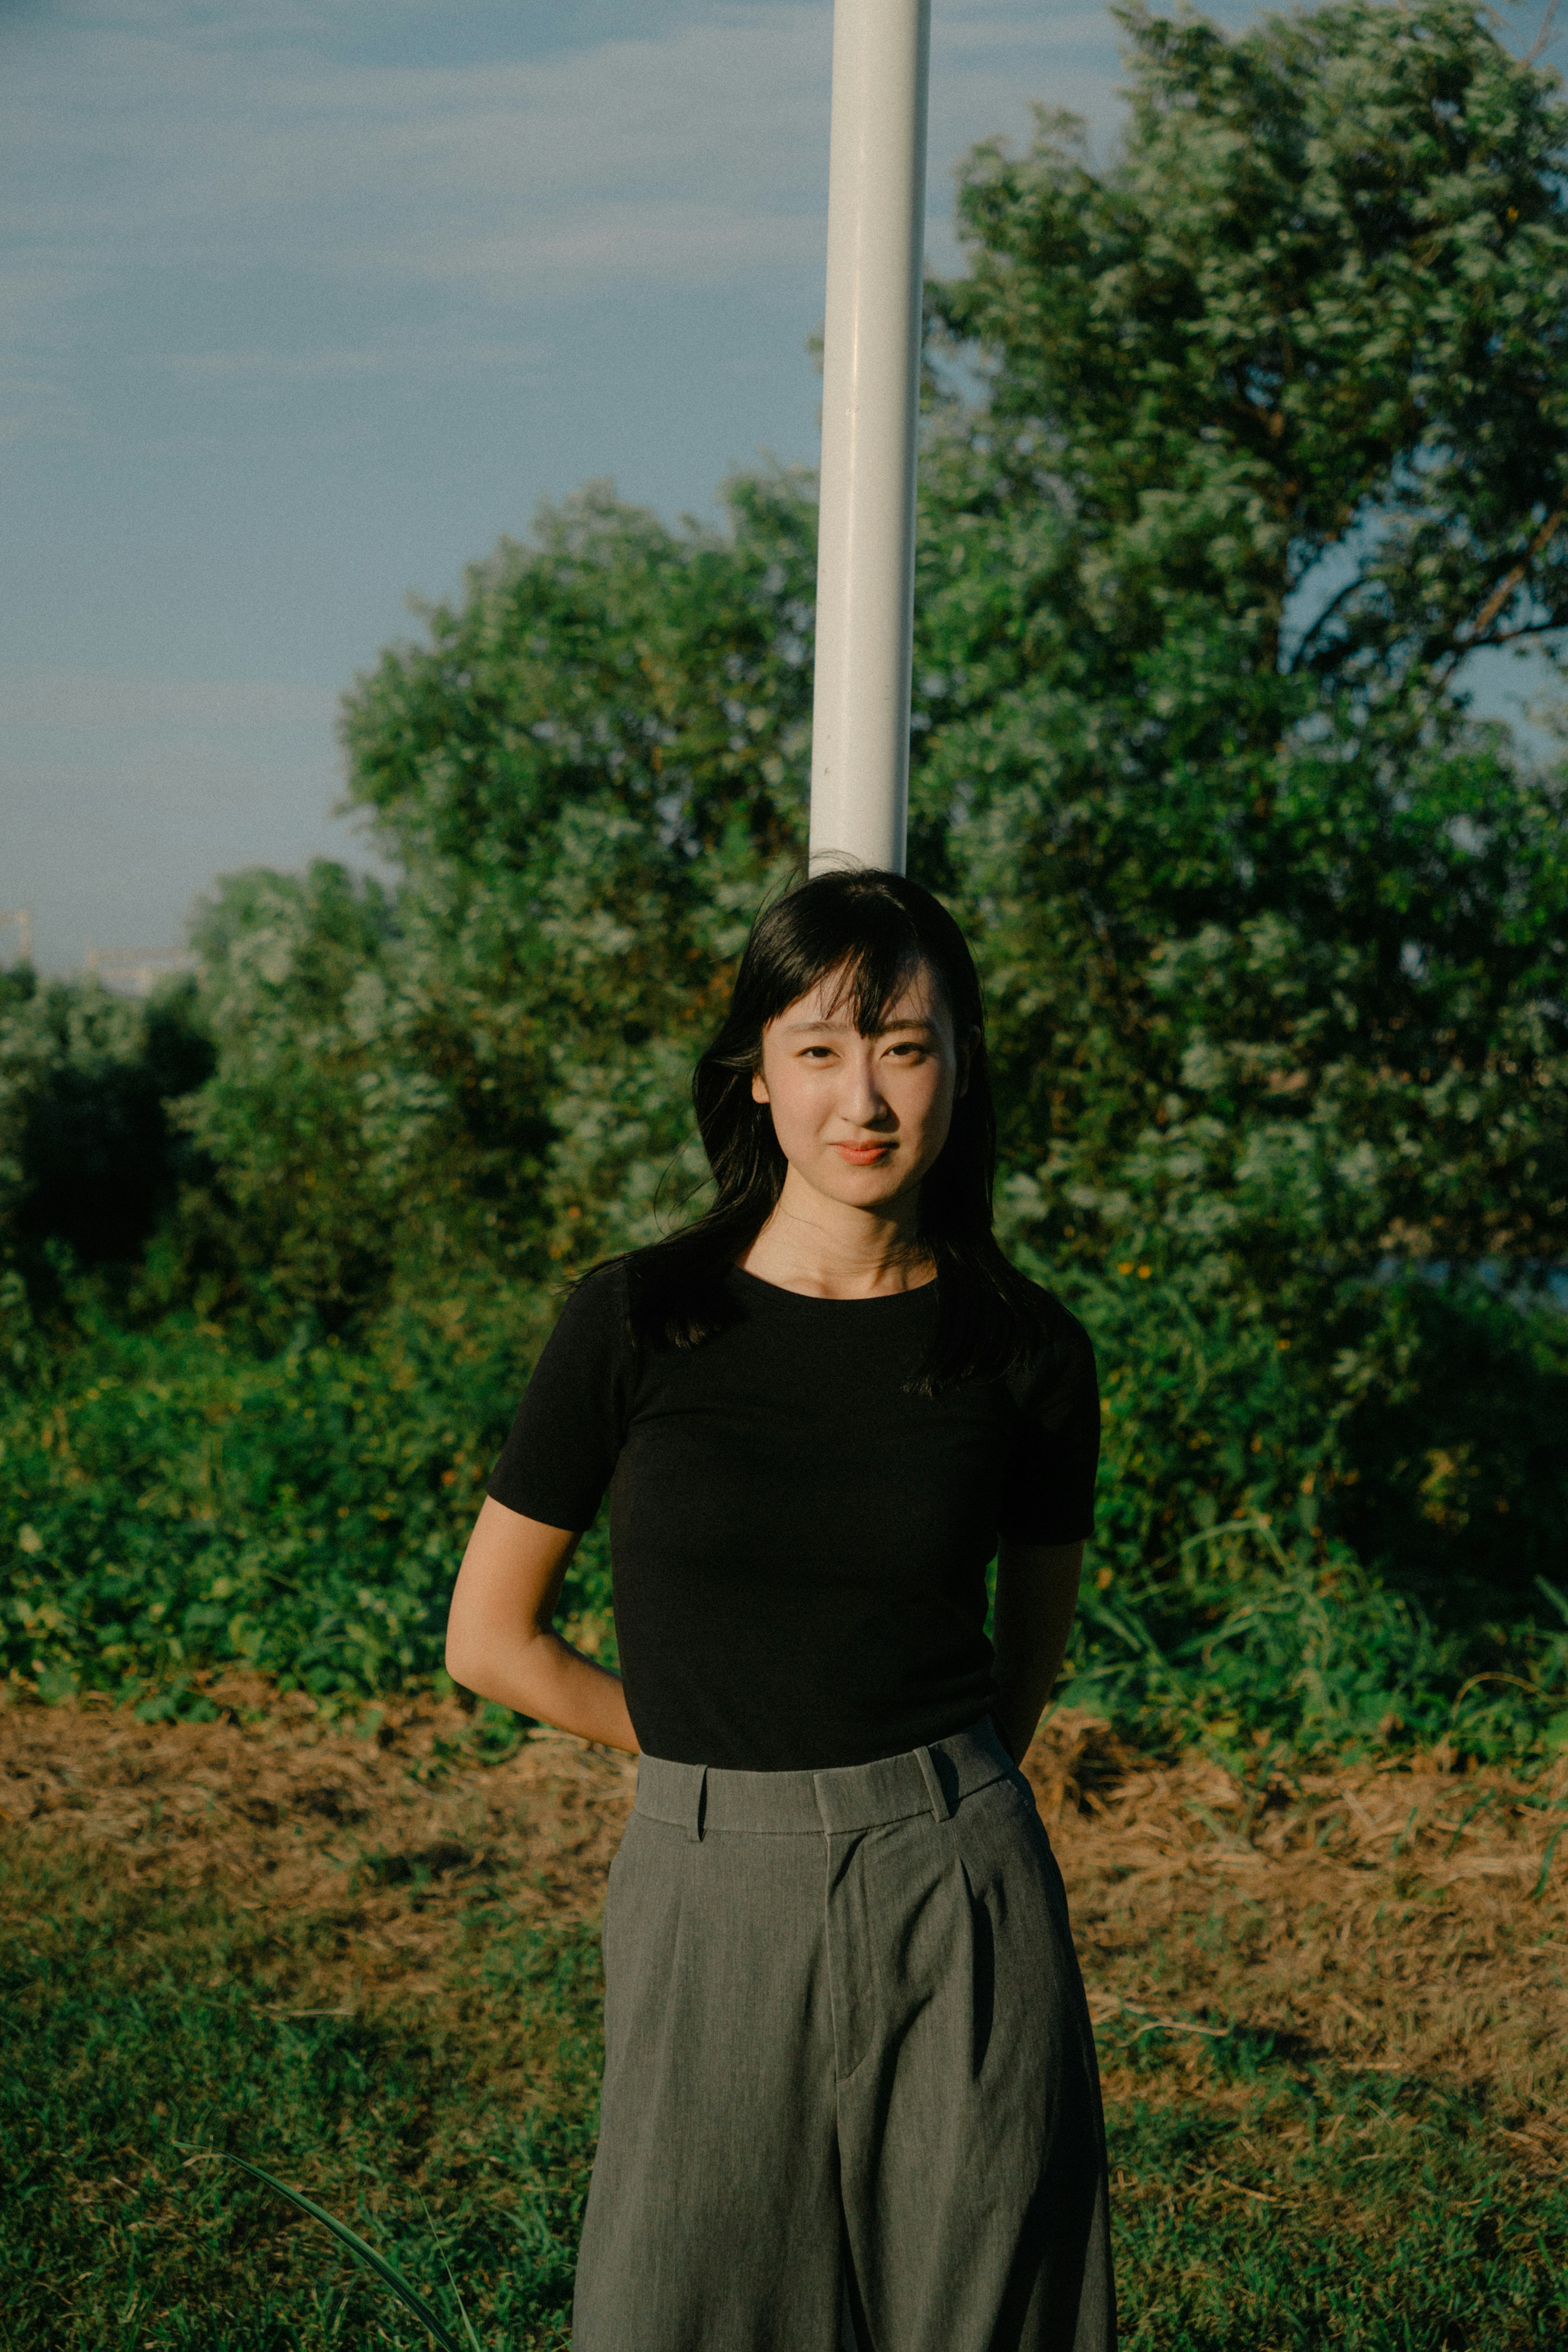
pixel 91 1153
pixel 309 1215
pixel 585 776
pixel 1274 437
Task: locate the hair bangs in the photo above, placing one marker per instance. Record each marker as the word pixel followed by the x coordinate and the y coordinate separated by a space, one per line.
pixel 870 979
pixel 862 947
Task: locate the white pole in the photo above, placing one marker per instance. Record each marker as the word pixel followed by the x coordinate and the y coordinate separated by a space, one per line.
pixel 871 400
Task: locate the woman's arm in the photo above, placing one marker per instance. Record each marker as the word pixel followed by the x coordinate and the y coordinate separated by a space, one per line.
pixel 1036 1591
pixel 501 1640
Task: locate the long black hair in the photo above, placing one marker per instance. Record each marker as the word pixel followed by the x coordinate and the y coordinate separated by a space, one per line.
pixel 873 931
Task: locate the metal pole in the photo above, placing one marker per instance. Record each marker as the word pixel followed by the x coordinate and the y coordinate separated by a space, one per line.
pixel 870 401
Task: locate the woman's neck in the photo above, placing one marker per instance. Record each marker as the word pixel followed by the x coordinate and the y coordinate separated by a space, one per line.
pixel 828 1249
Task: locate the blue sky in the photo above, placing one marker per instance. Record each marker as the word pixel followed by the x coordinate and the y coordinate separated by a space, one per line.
pixel 306 301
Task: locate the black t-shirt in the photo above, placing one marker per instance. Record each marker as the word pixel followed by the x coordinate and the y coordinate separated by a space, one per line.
pixel 799 1544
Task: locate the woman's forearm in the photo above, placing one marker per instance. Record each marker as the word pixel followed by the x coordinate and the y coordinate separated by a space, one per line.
pixel 543 1677
pixel 501 1640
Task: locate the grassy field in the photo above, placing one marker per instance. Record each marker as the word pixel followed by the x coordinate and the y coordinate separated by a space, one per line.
pixel 1331 2010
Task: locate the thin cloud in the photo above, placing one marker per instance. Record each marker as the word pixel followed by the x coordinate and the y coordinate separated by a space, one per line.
pixel 680 155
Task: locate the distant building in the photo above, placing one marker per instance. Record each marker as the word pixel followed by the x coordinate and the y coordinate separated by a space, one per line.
pixel 136 971
pixel 16 934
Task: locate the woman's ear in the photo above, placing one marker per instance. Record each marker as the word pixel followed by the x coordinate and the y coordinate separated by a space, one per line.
pixel 759 1088
pixel 965 1056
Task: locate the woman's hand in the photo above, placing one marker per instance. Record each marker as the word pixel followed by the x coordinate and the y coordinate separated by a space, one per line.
pixel 1036 1591
pixel 501 1640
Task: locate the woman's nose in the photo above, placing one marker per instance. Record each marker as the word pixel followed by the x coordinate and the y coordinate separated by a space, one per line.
pixel 862 1100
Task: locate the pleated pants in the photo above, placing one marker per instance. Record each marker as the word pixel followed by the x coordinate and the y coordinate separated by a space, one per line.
pixel 850 2089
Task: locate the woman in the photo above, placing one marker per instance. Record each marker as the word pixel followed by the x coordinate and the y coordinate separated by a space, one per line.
pixel 850 2092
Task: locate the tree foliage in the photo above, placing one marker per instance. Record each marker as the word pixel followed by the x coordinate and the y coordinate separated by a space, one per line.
pixel 584 777
pixel 1275 436
pixel 91 1156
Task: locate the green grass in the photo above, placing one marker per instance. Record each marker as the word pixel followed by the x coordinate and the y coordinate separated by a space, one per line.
pixel 1264 2198
pixel 144 2024
pixel 1314 2206
pixel 172 1501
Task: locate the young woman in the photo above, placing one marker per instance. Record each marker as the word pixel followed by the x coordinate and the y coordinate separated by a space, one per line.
pixel 850 2090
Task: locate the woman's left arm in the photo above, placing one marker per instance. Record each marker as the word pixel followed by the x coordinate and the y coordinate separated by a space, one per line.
pixel 1036 1591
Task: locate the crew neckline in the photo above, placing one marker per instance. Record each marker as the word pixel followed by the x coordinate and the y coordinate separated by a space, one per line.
pixel 811 1298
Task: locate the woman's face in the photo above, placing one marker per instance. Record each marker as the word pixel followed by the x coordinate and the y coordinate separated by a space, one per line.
pixel 861 1120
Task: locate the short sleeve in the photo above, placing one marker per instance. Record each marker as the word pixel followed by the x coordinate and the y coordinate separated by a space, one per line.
pixel 562 1449
pixel 1048 1496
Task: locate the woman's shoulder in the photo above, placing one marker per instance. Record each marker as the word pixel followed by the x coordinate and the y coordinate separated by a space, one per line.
pixel 1059 1324
pixel 1060 1367
pixel 593 1316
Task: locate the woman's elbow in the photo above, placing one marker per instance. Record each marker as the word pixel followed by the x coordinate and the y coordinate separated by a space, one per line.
pixel 460 1661
pixel 490 1664
pixel 467 1648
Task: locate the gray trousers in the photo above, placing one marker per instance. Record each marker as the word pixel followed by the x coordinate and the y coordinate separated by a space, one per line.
pixel 849 2074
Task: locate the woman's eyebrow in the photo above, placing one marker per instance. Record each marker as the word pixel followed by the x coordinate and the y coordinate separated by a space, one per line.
pixel 884 1029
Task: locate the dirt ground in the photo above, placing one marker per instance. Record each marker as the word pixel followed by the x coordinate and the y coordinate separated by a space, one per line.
pixel 1407 1919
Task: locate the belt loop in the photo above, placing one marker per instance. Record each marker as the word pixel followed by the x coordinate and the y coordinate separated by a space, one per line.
pixel 698 1814
pixel 941 1811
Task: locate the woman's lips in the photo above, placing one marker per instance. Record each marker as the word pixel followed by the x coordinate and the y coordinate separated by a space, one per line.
pixel 863 1155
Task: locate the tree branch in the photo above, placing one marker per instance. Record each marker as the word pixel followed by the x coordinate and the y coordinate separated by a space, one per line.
pixel 1530 629
pixel 1335 601
pixel 1510 581
pixel 1543 38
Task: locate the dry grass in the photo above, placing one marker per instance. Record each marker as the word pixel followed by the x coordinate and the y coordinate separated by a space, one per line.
pixel 1403 1918
pixel 390 1829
